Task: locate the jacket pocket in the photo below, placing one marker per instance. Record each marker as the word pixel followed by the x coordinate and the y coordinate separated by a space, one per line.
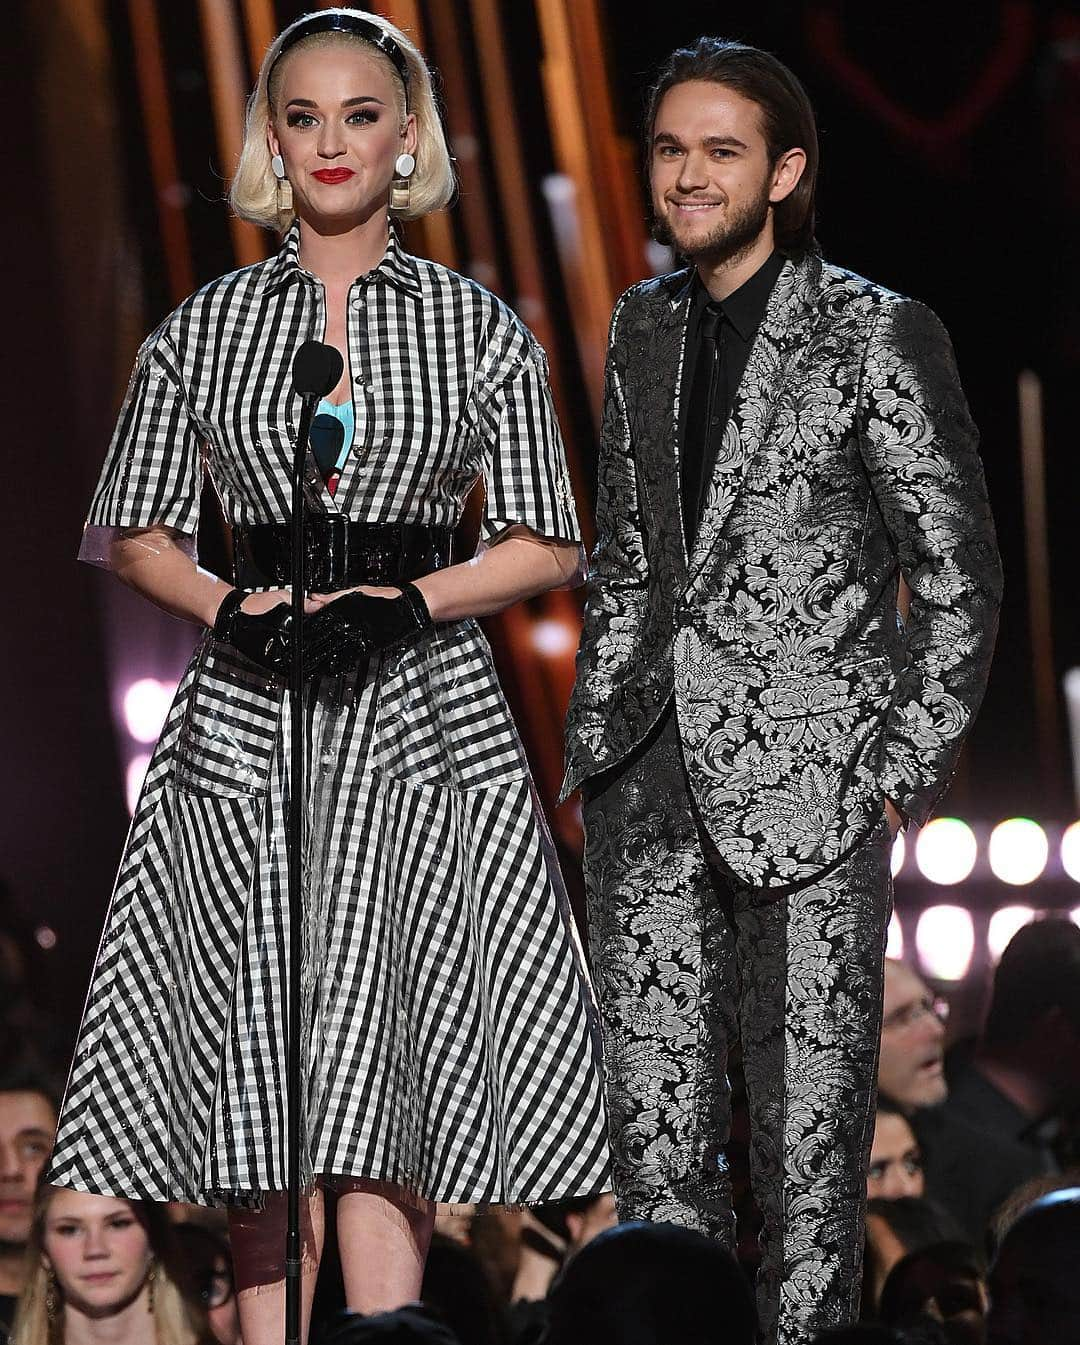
pixel 442 716
pixel 230 730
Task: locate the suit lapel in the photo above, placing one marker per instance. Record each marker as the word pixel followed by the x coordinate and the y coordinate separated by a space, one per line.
pixel 660 346
pixel 777 352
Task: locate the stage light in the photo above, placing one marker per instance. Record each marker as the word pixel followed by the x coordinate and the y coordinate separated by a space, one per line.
pixel 945 940
pixel 146 703
pixel 45 936
pixel 1018 851
pixel 1003 925
pixel 945 851
pixel 1070 851
pixel 899 851
pixel 553 638
pixel 136 774
pixel 894 945
pixel 1076 916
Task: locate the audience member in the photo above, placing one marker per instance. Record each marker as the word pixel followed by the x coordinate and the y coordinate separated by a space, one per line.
pixel 457 1288
pixel 942 1283
pixel 893 1229
pixel 966 1171
pixel 1022 1199
pixel 895 1161
pixel 207 1264
pixel 550 1236
pixel 412 1325
pixel 1024 1075
pixel 1035 1279
pixel 911 1068
pixel 27 1128
pixel 103 1270
pixel 651 1284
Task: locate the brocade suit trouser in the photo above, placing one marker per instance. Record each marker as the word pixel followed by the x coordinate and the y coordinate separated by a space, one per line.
pixel 686 961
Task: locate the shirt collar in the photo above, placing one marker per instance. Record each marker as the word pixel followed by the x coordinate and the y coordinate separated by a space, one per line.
pixel 745 307
pixel 397 266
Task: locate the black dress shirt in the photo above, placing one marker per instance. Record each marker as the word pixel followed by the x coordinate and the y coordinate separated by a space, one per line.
pixel 718 341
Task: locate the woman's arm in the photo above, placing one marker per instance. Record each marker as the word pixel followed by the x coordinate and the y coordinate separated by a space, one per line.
pixel 149 561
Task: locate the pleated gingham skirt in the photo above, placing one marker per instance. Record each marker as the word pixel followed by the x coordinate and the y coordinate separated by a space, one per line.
pixel 449 1036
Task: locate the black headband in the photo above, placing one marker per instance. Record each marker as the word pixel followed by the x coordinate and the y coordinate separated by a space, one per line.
pixel 345 23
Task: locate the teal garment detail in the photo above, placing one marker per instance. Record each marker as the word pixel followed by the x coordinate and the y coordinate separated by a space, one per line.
pixel 346 414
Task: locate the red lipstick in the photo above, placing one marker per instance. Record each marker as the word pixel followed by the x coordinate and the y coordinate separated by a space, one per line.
pixel 332 175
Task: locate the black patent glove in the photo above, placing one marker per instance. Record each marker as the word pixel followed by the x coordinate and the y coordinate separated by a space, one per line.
pixel 263 637
pixel 345 633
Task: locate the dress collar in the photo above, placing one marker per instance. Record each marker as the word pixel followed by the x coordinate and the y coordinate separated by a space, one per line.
pixel 397 267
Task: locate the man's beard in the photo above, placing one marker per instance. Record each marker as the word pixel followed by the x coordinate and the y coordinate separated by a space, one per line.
pixel 735 235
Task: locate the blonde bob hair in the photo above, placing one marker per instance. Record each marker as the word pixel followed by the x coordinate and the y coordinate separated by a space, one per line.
pixel 254 195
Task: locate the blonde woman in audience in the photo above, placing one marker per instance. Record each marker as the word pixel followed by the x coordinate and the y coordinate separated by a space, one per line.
pixel 102 1273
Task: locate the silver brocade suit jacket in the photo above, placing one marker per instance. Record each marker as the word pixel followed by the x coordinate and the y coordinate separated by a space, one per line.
pixel 849 458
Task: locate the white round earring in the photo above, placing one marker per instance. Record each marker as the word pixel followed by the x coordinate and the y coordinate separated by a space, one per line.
pixel 404 165
pixel 277 164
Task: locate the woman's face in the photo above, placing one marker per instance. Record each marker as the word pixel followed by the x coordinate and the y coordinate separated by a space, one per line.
pixel 336 123
pixel 895 1162
pixel 98 1250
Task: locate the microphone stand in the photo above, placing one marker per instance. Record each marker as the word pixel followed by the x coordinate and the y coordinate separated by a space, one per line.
pixel 316 369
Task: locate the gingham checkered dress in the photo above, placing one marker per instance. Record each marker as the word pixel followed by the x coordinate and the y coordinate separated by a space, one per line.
pixel 448 1028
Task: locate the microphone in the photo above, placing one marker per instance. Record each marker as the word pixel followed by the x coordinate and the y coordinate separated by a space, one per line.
pixel 317 369
pixel 326 438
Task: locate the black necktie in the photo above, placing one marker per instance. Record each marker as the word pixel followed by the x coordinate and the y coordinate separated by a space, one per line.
pixel 702 424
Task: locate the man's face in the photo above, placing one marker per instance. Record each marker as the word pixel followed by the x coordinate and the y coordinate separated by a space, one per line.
pixel 27 1127
pixel 710 173
pixel 911 1069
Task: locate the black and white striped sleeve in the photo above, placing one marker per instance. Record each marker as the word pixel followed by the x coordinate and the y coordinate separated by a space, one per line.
pixel 526 480
pixel 152 474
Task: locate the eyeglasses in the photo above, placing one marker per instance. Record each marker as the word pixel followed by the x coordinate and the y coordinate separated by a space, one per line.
pixel 908 1015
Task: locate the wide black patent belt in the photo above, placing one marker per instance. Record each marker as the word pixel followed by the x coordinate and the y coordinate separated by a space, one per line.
pixel 339 553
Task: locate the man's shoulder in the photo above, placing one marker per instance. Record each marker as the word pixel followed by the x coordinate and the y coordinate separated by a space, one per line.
pixel 843 293
pixel 649 294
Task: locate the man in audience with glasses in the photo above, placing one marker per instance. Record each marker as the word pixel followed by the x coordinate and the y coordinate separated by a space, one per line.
pixel 968 1172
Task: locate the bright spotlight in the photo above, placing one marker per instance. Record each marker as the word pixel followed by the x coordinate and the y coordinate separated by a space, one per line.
pixel 553 638
pixel 899 850
pixel 894 945
pixel 945 940
pixel 146 703
pixel 1075 916
pixel 945 851
pixel 136 774
pixel 1003 925
pixel 1018 851
pixel 45 936
pixel 1070 851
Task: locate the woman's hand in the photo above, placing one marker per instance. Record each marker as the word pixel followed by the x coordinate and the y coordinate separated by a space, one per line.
pixel 350 627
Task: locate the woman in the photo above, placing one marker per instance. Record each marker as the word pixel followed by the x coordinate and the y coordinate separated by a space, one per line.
pixel 101 1271
pixel 448 1033
pixel 896 1165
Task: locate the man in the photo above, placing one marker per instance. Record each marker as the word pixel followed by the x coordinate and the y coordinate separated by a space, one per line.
pixel 781 441
pixel 967 1171
pixel 1024 1078
pixel 911 1066
pixel 27 1127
